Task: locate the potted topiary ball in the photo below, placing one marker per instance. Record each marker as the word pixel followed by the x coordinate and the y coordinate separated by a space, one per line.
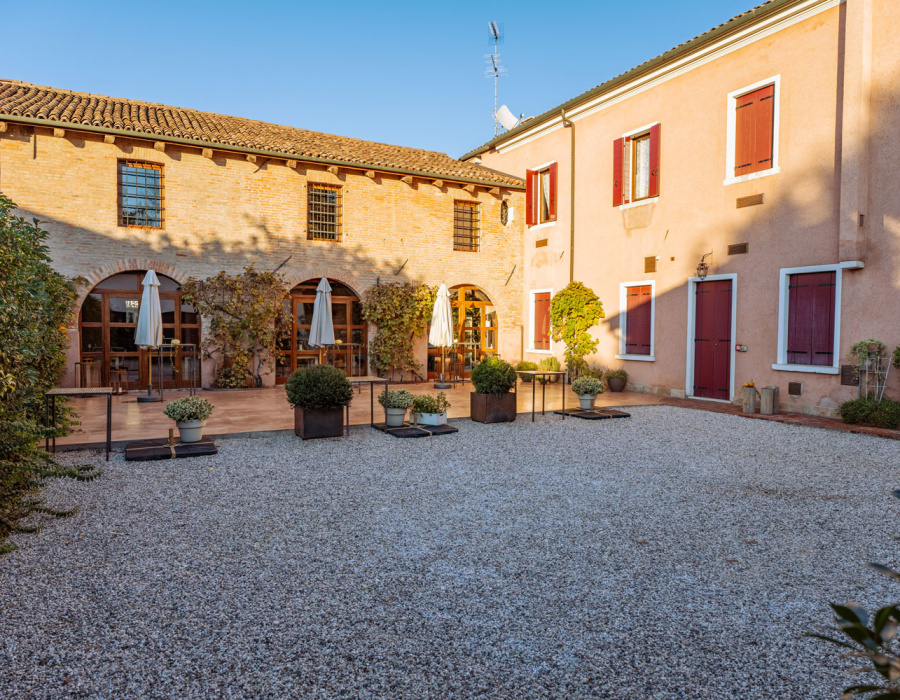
pixel 319 395
pixel 395 402
pixel 587 388
pixel 616 379
pixel 431 410
pixel 491 401
pixel 190 414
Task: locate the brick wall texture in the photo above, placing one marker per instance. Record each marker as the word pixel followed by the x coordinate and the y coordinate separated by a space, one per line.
pixel 224 212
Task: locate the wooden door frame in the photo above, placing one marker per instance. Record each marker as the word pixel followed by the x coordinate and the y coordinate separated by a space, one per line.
pixel 691 325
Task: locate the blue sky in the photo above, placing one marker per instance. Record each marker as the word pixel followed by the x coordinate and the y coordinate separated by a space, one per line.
pixel 410 73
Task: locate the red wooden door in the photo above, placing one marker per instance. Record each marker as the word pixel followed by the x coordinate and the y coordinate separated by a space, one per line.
pixel 712 340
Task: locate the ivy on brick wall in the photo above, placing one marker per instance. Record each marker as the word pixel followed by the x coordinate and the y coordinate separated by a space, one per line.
pixel 400 311
pixel 244 318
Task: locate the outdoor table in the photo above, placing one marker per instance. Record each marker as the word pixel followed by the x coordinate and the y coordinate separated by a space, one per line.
pixel 534 374
pixel 371 381
pixel 50 409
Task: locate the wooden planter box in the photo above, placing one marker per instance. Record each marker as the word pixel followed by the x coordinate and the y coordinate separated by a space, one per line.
pixel 491 408
pixel 318 423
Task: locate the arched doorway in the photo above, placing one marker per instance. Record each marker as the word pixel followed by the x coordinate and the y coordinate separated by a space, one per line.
pixel 475 330
pixel 106 325
pixel 350 351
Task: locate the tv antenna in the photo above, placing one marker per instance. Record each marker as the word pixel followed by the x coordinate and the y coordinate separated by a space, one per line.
pixel 494 68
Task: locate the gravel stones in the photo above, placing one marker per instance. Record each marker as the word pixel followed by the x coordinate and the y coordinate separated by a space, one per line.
pixel 674 554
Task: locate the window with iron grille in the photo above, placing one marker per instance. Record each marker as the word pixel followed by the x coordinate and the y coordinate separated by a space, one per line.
pixel 140 194
pixel 324 213
pixel 465 226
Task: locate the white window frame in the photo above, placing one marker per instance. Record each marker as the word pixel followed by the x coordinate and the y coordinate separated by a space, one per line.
pixel 623 319
pixel 530 347
pixel 730 178
pixel 784 307
pixel 691 326
pixel 537 202
pixel 646 200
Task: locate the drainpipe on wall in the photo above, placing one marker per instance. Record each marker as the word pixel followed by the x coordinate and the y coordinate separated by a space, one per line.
pixel 571 125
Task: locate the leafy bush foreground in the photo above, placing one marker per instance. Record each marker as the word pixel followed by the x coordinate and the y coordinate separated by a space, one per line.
pixel 35 309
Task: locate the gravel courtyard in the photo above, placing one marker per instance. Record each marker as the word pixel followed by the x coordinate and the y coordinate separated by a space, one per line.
pixel 678 554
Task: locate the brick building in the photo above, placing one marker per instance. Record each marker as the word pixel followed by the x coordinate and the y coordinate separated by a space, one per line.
pixel 124 186
pixel 733 202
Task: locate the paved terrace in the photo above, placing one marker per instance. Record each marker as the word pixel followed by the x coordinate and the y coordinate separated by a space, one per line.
pixel 242 411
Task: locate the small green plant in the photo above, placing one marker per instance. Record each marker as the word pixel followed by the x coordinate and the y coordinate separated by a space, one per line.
pixel 897 357
pixel 866 411
pixel 873 638
pixel 526 366
pixel 587 386
pixel 189 408
pixel 550 364
pixel 319 386
pixel 616 373
pixel 430 404
pixel 493 376
pixel 859 352
pixel 395 398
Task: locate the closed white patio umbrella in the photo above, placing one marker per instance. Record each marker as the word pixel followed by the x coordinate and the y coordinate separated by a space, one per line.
pixel 441 333
pixel 149 331
pixel 322 331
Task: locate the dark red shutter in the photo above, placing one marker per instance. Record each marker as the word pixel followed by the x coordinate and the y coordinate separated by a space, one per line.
pixel 530 194
pixel 654 161
pixel 618 153
pixel 811 302
pixel 754 128
pixel 542 321
pixel 638 320
pixel 764 116
pixel 551 206
pixel 743 134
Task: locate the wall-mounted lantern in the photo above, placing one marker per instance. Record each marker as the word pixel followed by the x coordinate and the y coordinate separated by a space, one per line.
pixel 703 267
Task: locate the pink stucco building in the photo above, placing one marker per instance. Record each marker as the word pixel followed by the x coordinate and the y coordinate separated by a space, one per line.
pixel 766 149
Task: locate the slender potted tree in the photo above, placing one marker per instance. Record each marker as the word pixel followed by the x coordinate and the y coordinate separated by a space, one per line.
pixel 492 402
pixel 319 395
pixel 190 414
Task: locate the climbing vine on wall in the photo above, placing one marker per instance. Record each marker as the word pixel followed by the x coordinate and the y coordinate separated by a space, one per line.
pixel 245 319
pixel 400 311
pixel 574 310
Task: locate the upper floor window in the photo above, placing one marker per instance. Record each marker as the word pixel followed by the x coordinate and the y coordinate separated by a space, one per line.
pixel 636 166
pixel 140 194
pixel 752 149
pixel 324 213
pixel 540 195
pixel 465 226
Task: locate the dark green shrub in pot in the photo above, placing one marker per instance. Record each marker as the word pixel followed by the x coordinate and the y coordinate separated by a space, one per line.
pixel 526 366
pixel 491 401
pixel 616 379
pixel 319 395
pixel 493 376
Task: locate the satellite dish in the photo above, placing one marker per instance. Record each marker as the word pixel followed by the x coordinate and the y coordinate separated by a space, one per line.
pixel 507 118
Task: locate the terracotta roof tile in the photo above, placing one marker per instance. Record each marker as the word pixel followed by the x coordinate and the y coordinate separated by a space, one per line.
pixel 18 99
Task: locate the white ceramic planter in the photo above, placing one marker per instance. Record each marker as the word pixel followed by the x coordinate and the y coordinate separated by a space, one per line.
pixel 395 417
pixel 191 430
pixel 587 401
pixel 431 418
